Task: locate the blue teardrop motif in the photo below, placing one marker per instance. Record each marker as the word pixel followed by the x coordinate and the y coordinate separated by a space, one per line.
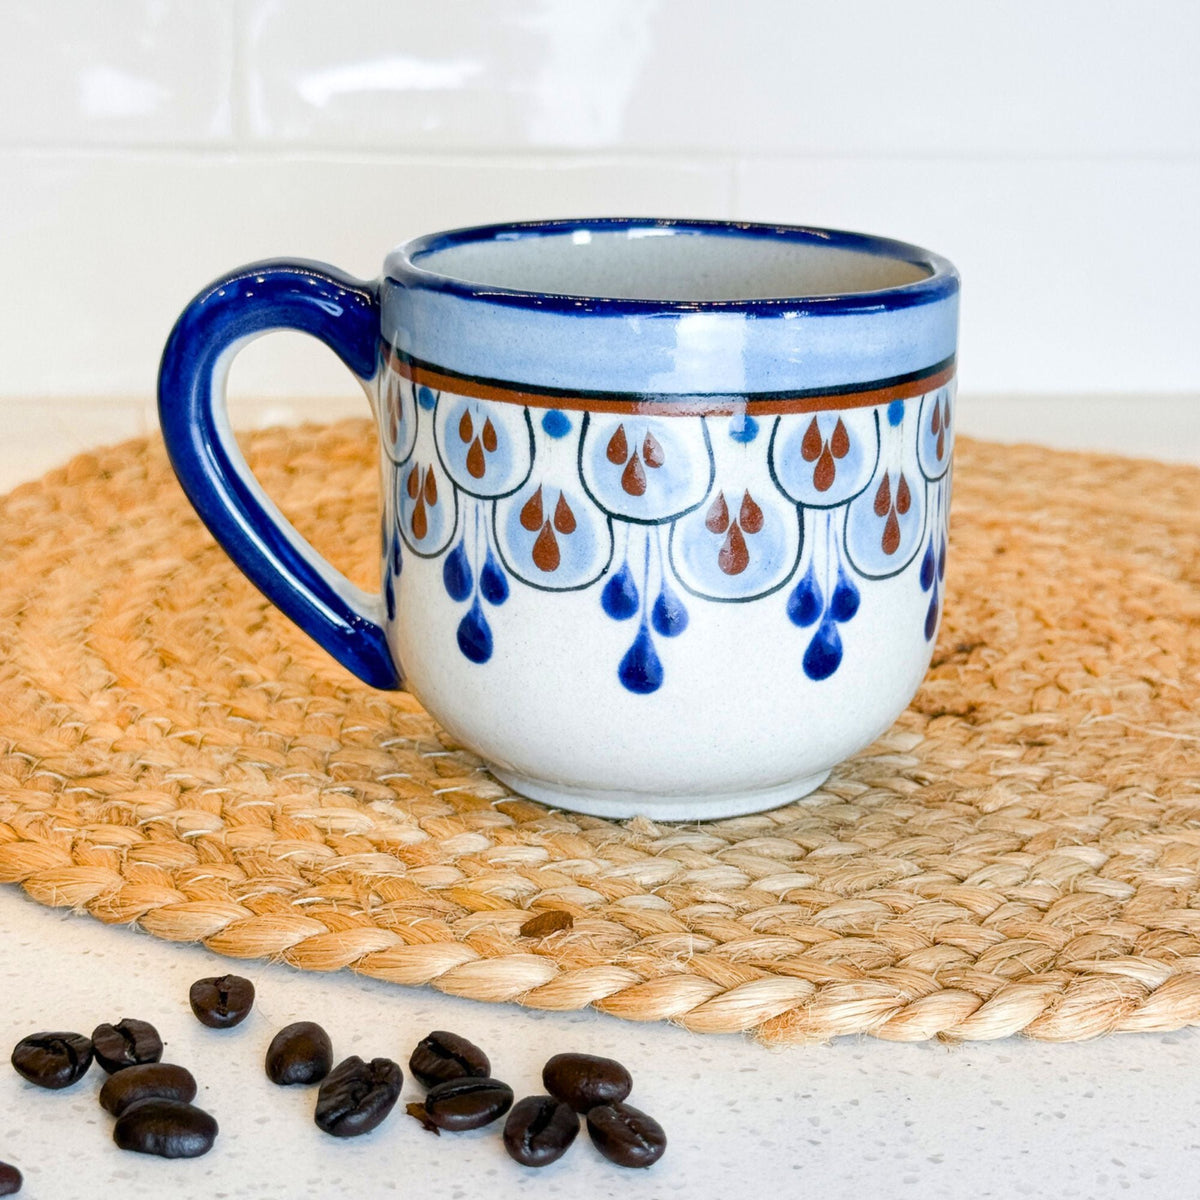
pixel 475 635
pixel 824 653
pixel 806 601
pixel 942 560
pixel 396 561
pixel 845 600
pixel 425 398
pixel 927 567
pixel 620 595
pixel 389 599
pixel 895 412
pixel 931 617
pixel 668 616
pixel 456 573
pixel 493 583
pixel 640 670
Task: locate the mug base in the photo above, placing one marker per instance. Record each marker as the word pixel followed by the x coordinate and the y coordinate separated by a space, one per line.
pixel 621 805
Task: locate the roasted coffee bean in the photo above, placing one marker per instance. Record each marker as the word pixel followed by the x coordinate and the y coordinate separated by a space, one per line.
pixel 53 1060
pixel 626 1135
pixel 10 1180
pixel 147 1081
pixel 540 1130
pixel 168 1128
pixel 443 1056
pixel 222 1002
pixel 126 1044
pixel 299 1053
pixel 467 1103
pixel 356 1096
pixel 585 1080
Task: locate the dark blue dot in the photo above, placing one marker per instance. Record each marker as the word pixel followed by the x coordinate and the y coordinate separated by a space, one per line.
pixel 493 583
pixel 668 616
pixel 824 653
pixel 475 635
pixel 620 595
pixel 425 398
pixel 927 567
pixel 806 601
pixel 456 573
pixel 743 428
pixel 931 617
pixel 389 599
pixel 640 670
pixel 895 412
pixel 556 424
pixel 845 600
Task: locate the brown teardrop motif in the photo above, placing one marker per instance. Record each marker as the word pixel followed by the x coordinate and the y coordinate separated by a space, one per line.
pixel 891 534
pixel 825 472
pixel 564 518
pixel 476 464
pixel 750 516
pixel 903 496
pixel 946 412
pixel 618 447
pixel 531 512
pixel 633 478
pixel 883 497
pixel 734 558
pixel 935 423
pixel 466 430
pixel 420 523
pixel 717 519
pixel 430 487
pixel 840 442
pixel 545 550
pixel 489 436
pixel 811 446
pixel 652 452
pixel 941 444
pixel 413 483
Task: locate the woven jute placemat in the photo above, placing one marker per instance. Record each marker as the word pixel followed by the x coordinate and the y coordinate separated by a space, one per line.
pixel 1020 853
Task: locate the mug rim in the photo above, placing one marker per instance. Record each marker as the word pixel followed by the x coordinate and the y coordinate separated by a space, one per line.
pixel 941 282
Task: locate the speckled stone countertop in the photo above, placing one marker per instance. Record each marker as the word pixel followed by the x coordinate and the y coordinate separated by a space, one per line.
pixel 857 1118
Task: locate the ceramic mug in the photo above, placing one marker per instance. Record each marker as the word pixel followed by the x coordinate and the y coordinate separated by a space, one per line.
pixel 665 502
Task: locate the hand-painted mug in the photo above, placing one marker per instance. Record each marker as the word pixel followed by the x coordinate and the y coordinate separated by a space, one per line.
pixel 665 502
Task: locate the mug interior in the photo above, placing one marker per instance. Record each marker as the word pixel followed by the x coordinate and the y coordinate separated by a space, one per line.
pixel 671 261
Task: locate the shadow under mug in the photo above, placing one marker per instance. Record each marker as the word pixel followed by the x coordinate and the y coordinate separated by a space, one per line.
pixel 665 502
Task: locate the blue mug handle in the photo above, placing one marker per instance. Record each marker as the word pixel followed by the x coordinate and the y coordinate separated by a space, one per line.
pixel 340 311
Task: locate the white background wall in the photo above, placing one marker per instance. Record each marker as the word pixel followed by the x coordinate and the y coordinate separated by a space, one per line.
pixel 1050 148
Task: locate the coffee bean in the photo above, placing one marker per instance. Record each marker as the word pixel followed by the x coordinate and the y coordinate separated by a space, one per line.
pixel 168 1128
pixel 467 1103
pixel 53 1060
pixel 443 1056
pixel 158 1080
pixel 625 1135
pixel 540 1130
pixel 585 1080
pixel 10 1180
pixel 126 1044
pixel 299 1053
pixel 356 1096
pixel 222 1002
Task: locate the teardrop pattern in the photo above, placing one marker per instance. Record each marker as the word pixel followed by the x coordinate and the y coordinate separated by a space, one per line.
pixel 619 597
pixel 879 499
pixel 641 669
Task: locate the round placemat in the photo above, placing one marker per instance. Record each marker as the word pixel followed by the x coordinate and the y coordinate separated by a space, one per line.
pixel 1020 853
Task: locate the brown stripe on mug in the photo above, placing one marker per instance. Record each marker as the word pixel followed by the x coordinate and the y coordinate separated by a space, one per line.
pixel 858 395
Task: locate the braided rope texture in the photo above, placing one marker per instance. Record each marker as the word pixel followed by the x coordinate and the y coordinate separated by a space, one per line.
pixel 1019 854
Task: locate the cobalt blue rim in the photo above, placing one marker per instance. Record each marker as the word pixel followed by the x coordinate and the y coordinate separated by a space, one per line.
pixel 402 267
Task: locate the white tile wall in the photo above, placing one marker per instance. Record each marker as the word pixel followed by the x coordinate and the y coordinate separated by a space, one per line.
pixel 1052 150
